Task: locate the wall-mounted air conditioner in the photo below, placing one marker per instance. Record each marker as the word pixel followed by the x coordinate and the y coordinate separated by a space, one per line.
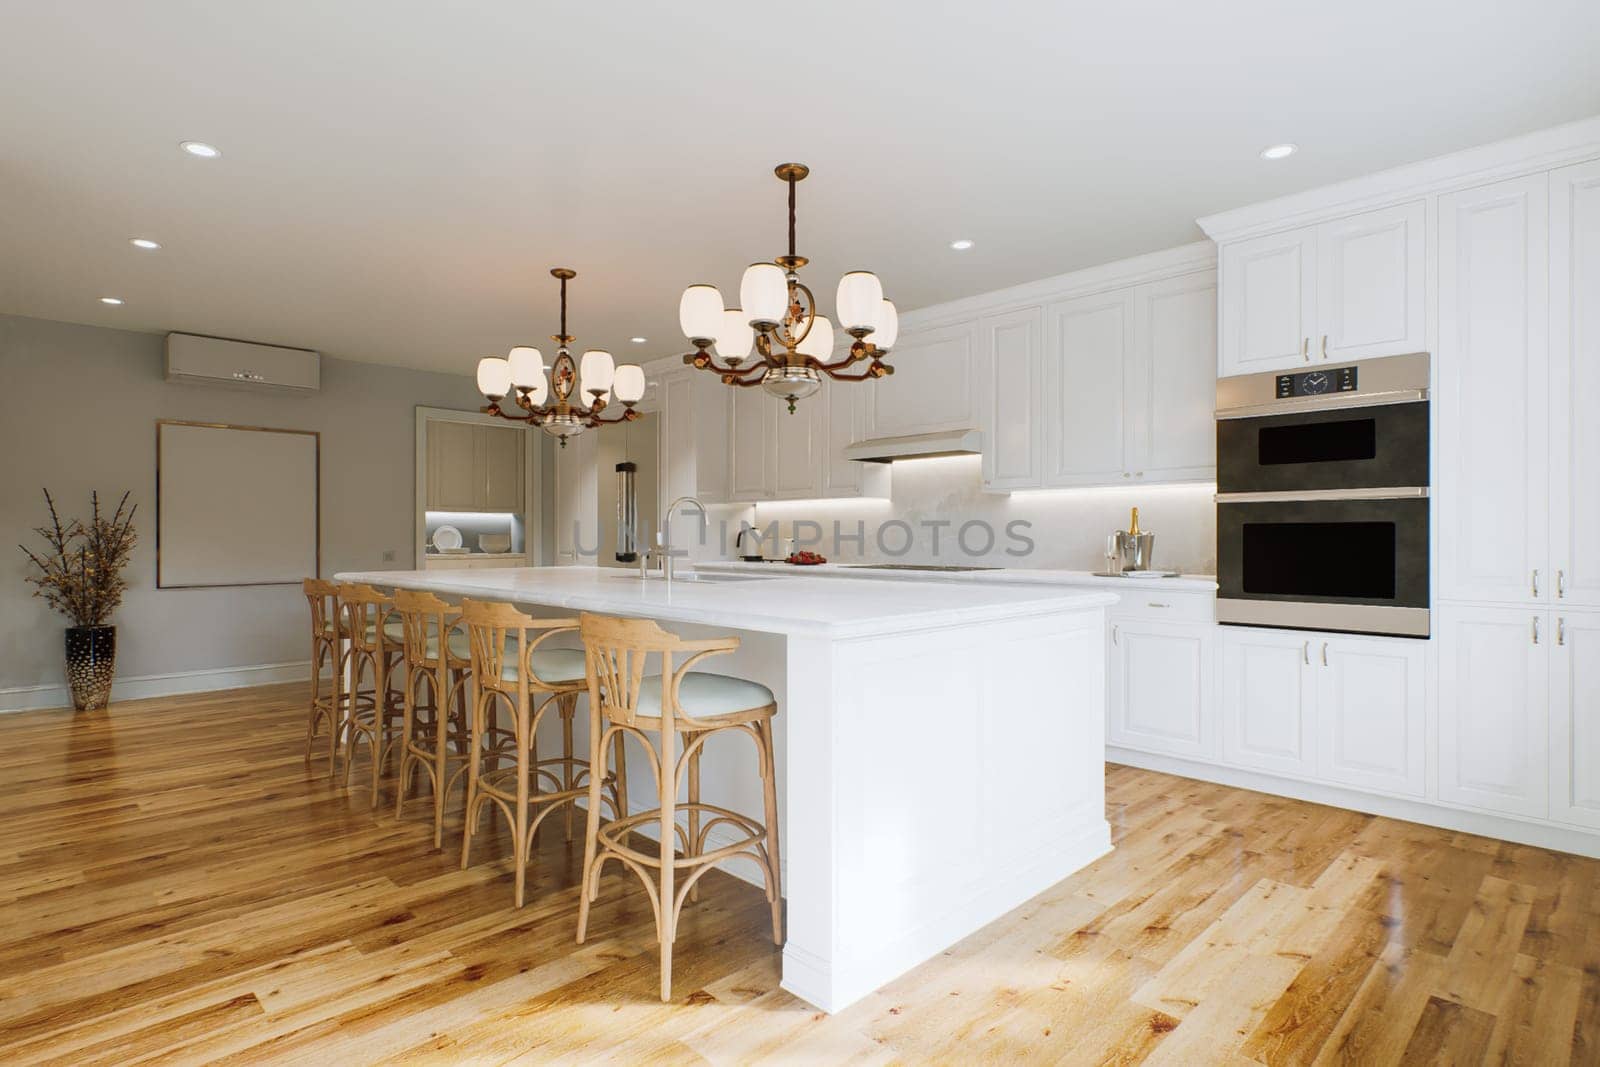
pixel 219 361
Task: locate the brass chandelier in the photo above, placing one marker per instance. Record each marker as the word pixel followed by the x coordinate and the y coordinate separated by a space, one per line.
pixel 522 377
pixel 779 318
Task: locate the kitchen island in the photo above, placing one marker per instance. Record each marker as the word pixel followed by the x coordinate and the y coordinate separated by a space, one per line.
pixel 940 744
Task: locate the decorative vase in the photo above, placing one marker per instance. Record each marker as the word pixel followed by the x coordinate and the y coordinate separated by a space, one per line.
pixel 91 661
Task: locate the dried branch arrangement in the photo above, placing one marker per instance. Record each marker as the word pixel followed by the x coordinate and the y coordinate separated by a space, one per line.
pixel 80 575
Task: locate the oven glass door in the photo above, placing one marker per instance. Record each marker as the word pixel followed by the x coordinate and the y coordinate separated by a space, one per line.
pixel 1371 553
pixel 1306 451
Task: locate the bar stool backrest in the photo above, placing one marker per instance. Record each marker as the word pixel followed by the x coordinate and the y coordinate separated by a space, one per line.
pixel 364 610
pixel 421 613
pixel 323 597
pixel 490 629
pixel 617 653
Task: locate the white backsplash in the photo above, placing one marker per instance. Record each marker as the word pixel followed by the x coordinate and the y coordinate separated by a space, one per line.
pixel 1067 527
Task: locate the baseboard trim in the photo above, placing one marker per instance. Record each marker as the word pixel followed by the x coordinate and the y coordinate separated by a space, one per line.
pixel 1428 813
pixel 140 687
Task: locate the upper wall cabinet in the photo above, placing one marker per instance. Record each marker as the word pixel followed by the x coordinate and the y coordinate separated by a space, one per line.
pixel 933 386
pixel 1348 289
pixel 1008 375
pixel 475 468
pixel 1128 385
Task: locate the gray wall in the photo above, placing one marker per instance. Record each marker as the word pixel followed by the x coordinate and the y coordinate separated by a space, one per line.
pixel 78 407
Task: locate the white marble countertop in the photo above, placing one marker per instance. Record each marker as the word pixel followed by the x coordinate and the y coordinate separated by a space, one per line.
pixel 778 600
pixel 1189 583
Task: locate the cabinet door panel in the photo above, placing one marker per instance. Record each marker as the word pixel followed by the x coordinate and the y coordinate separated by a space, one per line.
pixel 1008 371
pixel 1269 294
pixel 1493 711
pixel 1370 708
pixel 1574 383
pixel 453 484
pixel 1161 687
pixel 1494 398
pixel 712 403
pixel 750 437
pixel 797 445
pixel 503 476
pixel 1575 720
pixel 1087 345
pixel 1268 701
pixel 1173 385
pixel 931 388
pixel 1371 271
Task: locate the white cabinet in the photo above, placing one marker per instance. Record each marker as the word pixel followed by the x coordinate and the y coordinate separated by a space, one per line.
pixel 471 467
pixel 1493 393
pixel 1268 701
pixel 577 501
pixel 1574 383
pixel 1370 284
pixel 1172 387
pixel 1575 719
pixel 797 445
pixel 1493 708
pixel 1371 704
pixel 1161 686
pixel 1349 289
pixel 774 454
pixel 749 444
pixel 845 418
pixel 1008 374
pixel 711 403
pixel 1087 343
pixel 1337 708
pixel 933 386
pixel 1269 302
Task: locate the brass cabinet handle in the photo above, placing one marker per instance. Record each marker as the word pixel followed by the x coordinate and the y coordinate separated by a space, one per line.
pixel 1305 349
pixel 1536 629
pixel 1561 630
pixel 1305 653
pixel 1561 585
pixel 1536 582
pixel 1324 346
pixel 1156 604
pixel 1324 653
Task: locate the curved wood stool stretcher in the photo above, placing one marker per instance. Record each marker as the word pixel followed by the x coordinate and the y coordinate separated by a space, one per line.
pixel 327 695
pixel 372 715
pixel 434 723
pixel 511 672
pixel 617 651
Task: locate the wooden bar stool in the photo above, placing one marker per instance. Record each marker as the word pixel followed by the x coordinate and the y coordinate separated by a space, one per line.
pixel 624 700
pixel 327 696
pixel 434 719
pixel 377 645
pixel 512 672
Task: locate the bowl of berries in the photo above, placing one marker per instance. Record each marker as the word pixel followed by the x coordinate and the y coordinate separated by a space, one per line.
pixel 805 559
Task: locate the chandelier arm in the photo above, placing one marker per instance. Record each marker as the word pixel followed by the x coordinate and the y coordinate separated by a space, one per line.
pixel 628 415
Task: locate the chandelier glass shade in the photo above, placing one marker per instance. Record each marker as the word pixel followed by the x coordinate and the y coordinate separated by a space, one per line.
pixel 777 316
pixel 544 396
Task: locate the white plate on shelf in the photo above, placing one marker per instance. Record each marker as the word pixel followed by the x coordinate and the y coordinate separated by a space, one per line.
pixel 447 539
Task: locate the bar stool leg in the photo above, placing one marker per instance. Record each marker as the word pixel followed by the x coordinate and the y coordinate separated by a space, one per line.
pixel 666 928
pixel 408 711
pixel 769 794
pixel 526 751
pixel 443 717
pixel 351 733
pixel 568 708
pixel 475 732
pixel 591 831
pixel 692 844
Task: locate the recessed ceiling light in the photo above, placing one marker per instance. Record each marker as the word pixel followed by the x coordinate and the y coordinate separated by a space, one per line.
pixel 961 245
pixel 201 149
pixel 1279 151
pixel 145 243
pixel 110 300
pixel 638 340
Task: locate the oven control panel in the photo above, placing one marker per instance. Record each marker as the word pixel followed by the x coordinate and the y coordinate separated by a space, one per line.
pixel 1316 382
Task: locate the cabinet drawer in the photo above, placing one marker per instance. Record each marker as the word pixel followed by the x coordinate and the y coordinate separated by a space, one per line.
pixel 1159 604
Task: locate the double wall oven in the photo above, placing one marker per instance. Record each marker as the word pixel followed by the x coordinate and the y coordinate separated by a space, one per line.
pixel 1322 498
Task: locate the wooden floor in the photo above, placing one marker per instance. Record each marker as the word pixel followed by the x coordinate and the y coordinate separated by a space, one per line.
pixel 176 887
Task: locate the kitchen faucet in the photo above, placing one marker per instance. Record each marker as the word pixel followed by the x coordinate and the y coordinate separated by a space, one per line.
pixel 664 537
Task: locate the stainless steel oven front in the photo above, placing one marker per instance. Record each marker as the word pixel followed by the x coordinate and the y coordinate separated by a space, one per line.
pixel 1323 498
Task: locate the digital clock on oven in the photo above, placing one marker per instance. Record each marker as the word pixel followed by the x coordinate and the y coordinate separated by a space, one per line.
pixel 1316 382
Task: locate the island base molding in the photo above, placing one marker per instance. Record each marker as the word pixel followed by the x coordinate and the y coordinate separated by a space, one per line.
pixel 936 780
pixel 1428 813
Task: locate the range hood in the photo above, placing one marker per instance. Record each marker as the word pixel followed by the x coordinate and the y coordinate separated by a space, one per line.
pixel 916 446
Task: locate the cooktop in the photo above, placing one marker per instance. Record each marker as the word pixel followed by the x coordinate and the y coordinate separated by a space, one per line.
pixel 919 567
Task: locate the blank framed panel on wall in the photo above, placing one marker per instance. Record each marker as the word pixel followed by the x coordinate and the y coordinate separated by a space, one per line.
pixel 235 505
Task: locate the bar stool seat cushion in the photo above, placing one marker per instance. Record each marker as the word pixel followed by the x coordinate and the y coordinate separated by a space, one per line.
pixel 563 665
pixel 702 695
pixel 393 631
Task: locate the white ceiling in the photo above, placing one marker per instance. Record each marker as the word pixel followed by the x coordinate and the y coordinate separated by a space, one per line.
pixel 398 177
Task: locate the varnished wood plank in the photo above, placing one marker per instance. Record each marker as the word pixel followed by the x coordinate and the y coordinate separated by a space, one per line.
pixel 178 887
